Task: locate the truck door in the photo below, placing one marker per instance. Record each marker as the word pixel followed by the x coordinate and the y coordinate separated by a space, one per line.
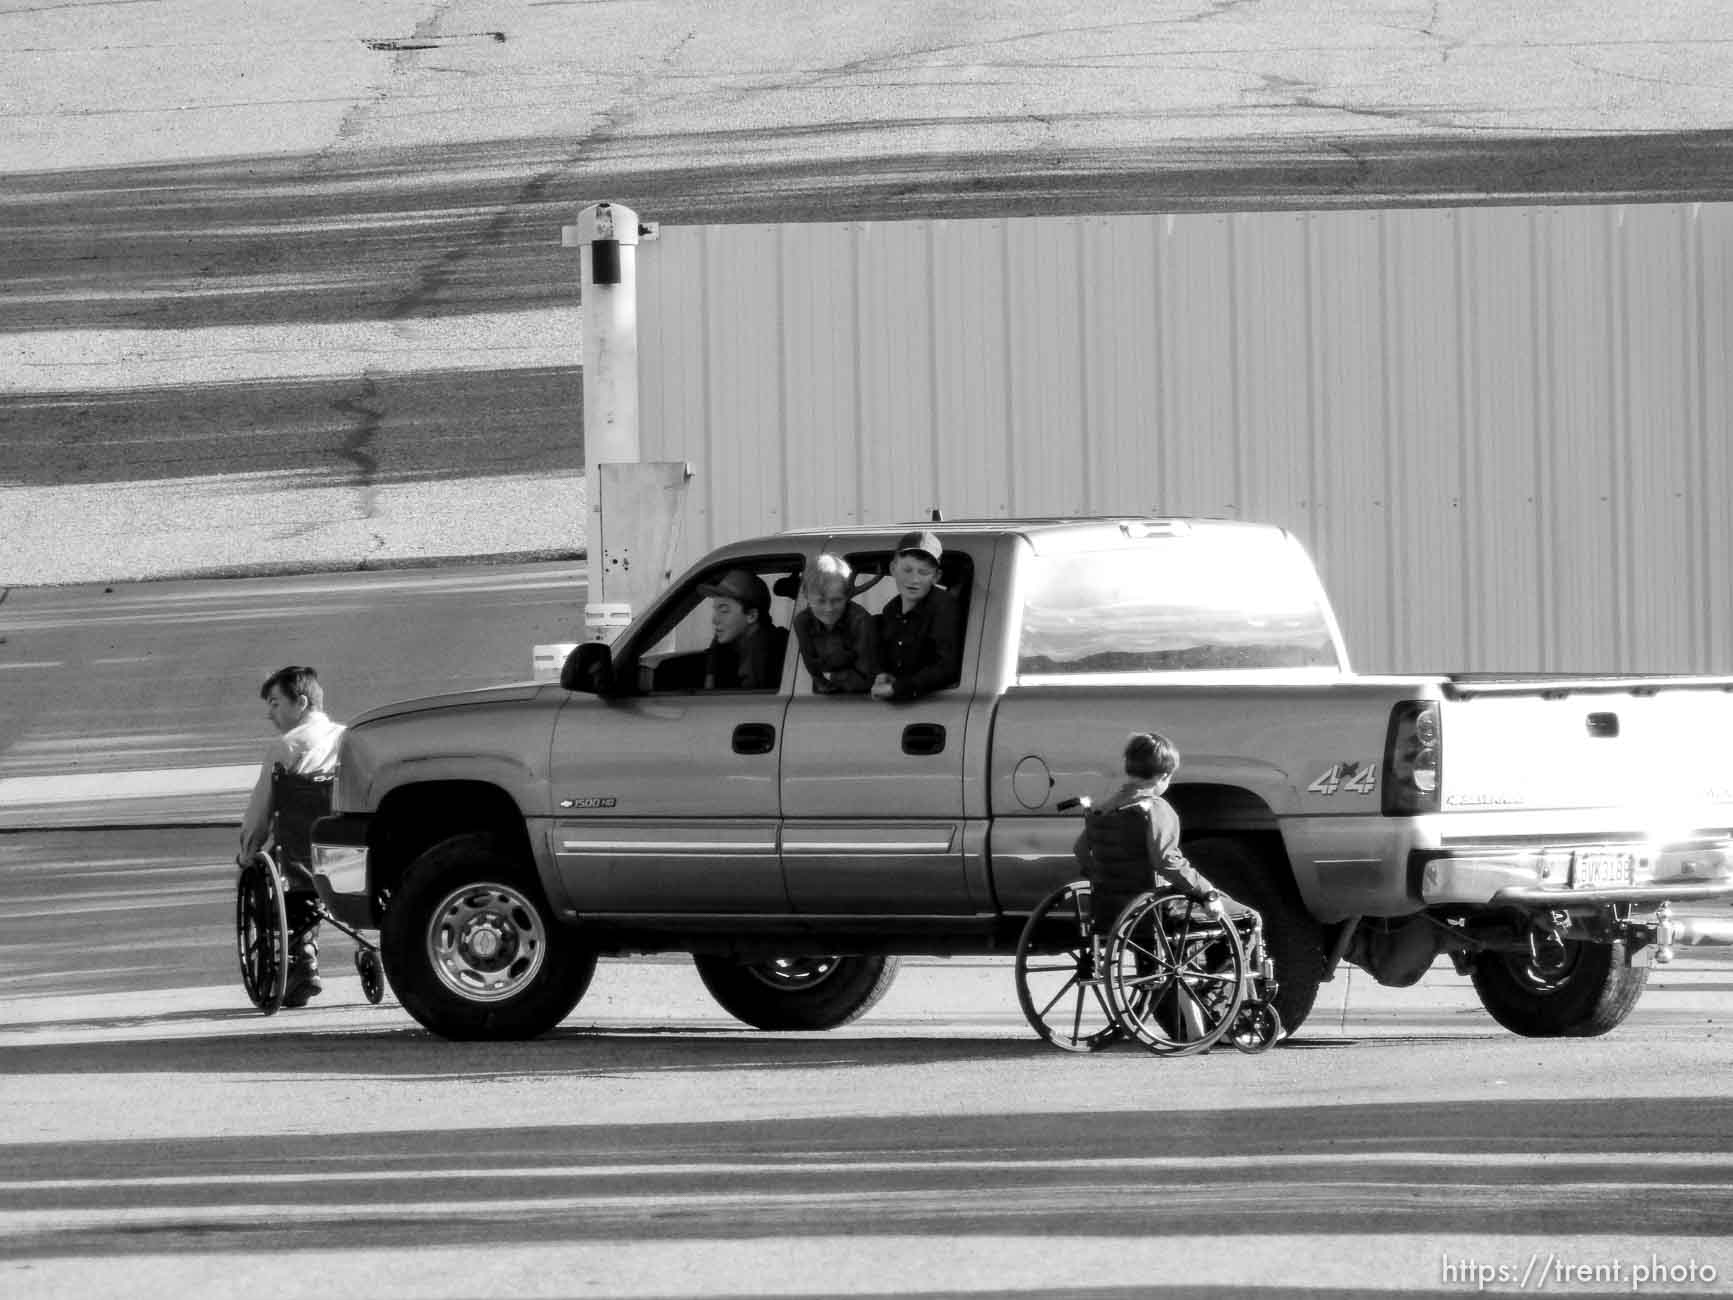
pixel 873 791
pixel 666 797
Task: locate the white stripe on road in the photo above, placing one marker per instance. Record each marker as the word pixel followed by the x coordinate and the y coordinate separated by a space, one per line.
pixel 1515 1161
pixel 759 1264
pixel 94 787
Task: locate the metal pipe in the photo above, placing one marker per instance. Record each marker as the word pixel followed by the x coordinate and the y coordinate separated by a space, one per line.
pixel 1702 930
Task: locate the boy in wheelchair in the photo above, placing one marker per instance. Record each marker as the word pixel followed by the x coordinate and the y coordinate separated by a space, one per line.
pixel 1130 845
pixel 1130 842
pixel 294 790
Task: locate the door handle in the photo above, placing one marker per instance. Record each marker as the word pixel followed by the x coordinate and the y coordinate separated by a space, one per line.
pixel 754 738
pixel 923 738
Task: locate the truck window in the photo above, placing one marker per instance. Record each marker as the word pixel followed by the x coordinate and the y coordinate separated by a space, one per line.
pixel 673 657
pixel 1213 601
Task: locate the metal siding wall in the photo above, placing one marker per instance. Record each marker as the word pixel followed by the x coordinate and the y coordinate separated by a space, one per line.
pixel 819 341
pixel 972 399
pixel 1661 502
pixel 1350 537
pixel 1500 438
pixel 1586 599
pixel 1713 309
pixel 1503 432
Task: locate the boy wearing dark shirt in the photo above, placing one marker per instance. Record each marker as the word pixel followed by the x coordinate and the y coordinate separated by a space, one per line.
pixel 920 635
pixel 838 641
pixel 743 652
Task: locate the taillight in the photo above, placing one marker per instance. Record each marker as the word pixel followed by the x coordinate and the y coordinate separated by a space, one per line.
pixel 1413 759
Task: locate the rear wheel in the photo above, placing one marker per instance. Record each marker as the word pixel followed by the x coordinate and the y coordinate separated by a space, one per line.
pixel 803 992
pixel 1175 974
pixel 1587 991
pixel 262 933
pixel 472 951
pixel 1293 940
pixel 1063 995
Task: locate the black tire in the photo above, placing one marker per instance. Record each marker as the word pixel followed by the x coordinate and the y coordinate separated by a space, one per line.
pixel 472 950
pixel 1294 939
pixel 372 972
pixel 1589 992
pixel 262 933
pixel 1063 997
pixel 796 992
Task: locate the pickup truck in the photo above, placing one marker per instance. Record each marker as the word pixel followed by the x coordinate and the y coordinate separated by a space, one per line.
pixel 1535 831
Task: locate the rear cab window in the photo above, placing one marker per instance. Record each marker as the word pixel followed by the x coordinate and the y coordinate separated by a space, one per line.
pixel 1176 598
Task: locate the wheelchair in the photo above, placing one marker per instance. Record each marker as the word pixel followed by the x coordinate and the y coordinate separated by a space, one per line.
pixel 277 906
pixel 1165 969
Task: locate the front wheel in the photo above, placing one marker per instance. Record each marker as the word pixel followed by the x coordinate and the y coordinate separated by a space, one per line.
pixel 1588 991
pixel 796 992
pixel 1292 938
pixel 471 950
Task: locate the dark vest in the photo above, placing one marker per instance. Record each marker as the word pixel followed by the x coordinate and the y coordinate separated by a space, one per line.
pixel 1120 868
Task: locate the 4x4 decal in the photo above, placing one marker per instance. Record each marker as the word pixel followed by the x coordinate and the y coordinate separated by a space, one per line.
pixel 1348 777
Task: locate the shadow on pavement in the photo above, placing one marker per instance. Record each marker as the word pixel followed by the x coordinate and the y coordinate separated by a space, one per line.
pixel 1449 1168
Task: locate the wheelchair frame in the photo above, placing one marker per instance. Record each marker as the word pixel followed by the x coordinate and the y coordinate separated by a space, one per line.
pixel 262 934
pixel 1171 972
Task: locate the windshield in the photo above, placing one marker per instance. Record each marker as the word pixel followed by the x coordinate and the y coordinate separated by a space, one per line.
pixel 1206 600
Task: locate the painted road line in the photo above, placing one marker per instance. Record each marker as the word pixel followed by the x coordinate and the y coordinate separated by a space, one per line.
pixel 100 787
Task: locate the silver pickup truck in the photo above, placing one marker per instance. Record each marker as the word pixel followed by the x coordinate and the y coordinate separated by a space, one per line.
pixel 1536 831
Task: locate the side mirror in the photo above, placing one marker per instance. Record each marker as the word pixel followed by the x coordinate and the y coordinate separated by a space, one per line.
pixel 589 668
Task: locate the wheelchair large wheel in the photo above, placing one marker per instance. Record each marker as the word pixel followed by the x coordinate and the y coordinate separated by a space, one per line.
pixel 1060 990
pixel 262 933
pixel 1175 974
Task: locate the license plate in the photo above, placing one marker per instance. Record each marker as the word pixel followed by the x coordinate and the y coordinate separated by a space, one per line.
pixel 1593 869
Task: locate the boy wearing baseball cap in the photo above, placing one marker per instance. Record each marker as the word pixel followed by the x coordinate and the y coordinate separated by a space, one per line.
pixel 920 631
pixel 743 649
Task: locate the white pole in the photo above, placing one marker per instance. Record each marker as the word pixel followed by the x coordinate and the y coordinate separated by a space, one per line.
pixel 606 236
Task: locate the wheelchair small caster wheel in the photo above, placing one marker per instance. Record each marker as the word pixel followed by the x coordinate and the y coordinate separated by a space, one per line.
pixel 1257 1029
pixel 372 972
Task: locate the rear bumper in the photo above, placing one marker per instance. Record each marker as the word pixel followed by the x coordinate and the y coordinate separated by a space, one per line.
pixel 1580 874
pixel 340 869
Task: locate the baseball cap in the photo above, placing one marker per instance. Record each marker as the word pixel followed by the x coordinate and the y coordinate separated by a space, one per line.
pixel 924 542
pixel 741 585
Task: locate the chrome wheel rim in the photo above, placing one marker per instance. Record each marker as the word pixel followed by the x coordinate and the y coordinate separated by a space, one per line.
pixel 486 942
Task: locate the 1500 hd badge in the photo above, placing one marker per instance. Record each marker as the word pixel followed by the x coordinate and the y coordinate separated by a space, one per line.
pixel 590 801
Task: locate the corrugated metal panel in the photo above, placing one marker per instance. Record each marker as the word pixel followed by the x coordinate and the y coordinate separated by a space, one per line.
pixel 1503 432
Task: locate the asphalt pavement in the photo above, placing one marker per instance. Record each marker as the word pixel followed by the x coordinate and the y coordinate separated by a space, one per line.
pixel 131 702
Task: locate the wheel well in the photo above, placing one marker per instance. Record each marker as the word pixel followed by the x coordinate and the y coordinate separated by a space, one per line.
pixel 1231 810
pixel 1220 810
pixel 413 818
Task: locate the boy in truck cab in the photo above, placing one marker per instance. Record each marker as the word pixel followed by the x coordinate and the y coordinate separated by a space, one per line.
pixel 745 651
pixel 920 632
pixel 1130 840
pixel 838 641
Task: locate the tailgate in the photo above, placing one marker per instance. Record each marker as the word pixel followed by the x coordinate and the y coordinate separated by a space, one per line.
pixel 1659 744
